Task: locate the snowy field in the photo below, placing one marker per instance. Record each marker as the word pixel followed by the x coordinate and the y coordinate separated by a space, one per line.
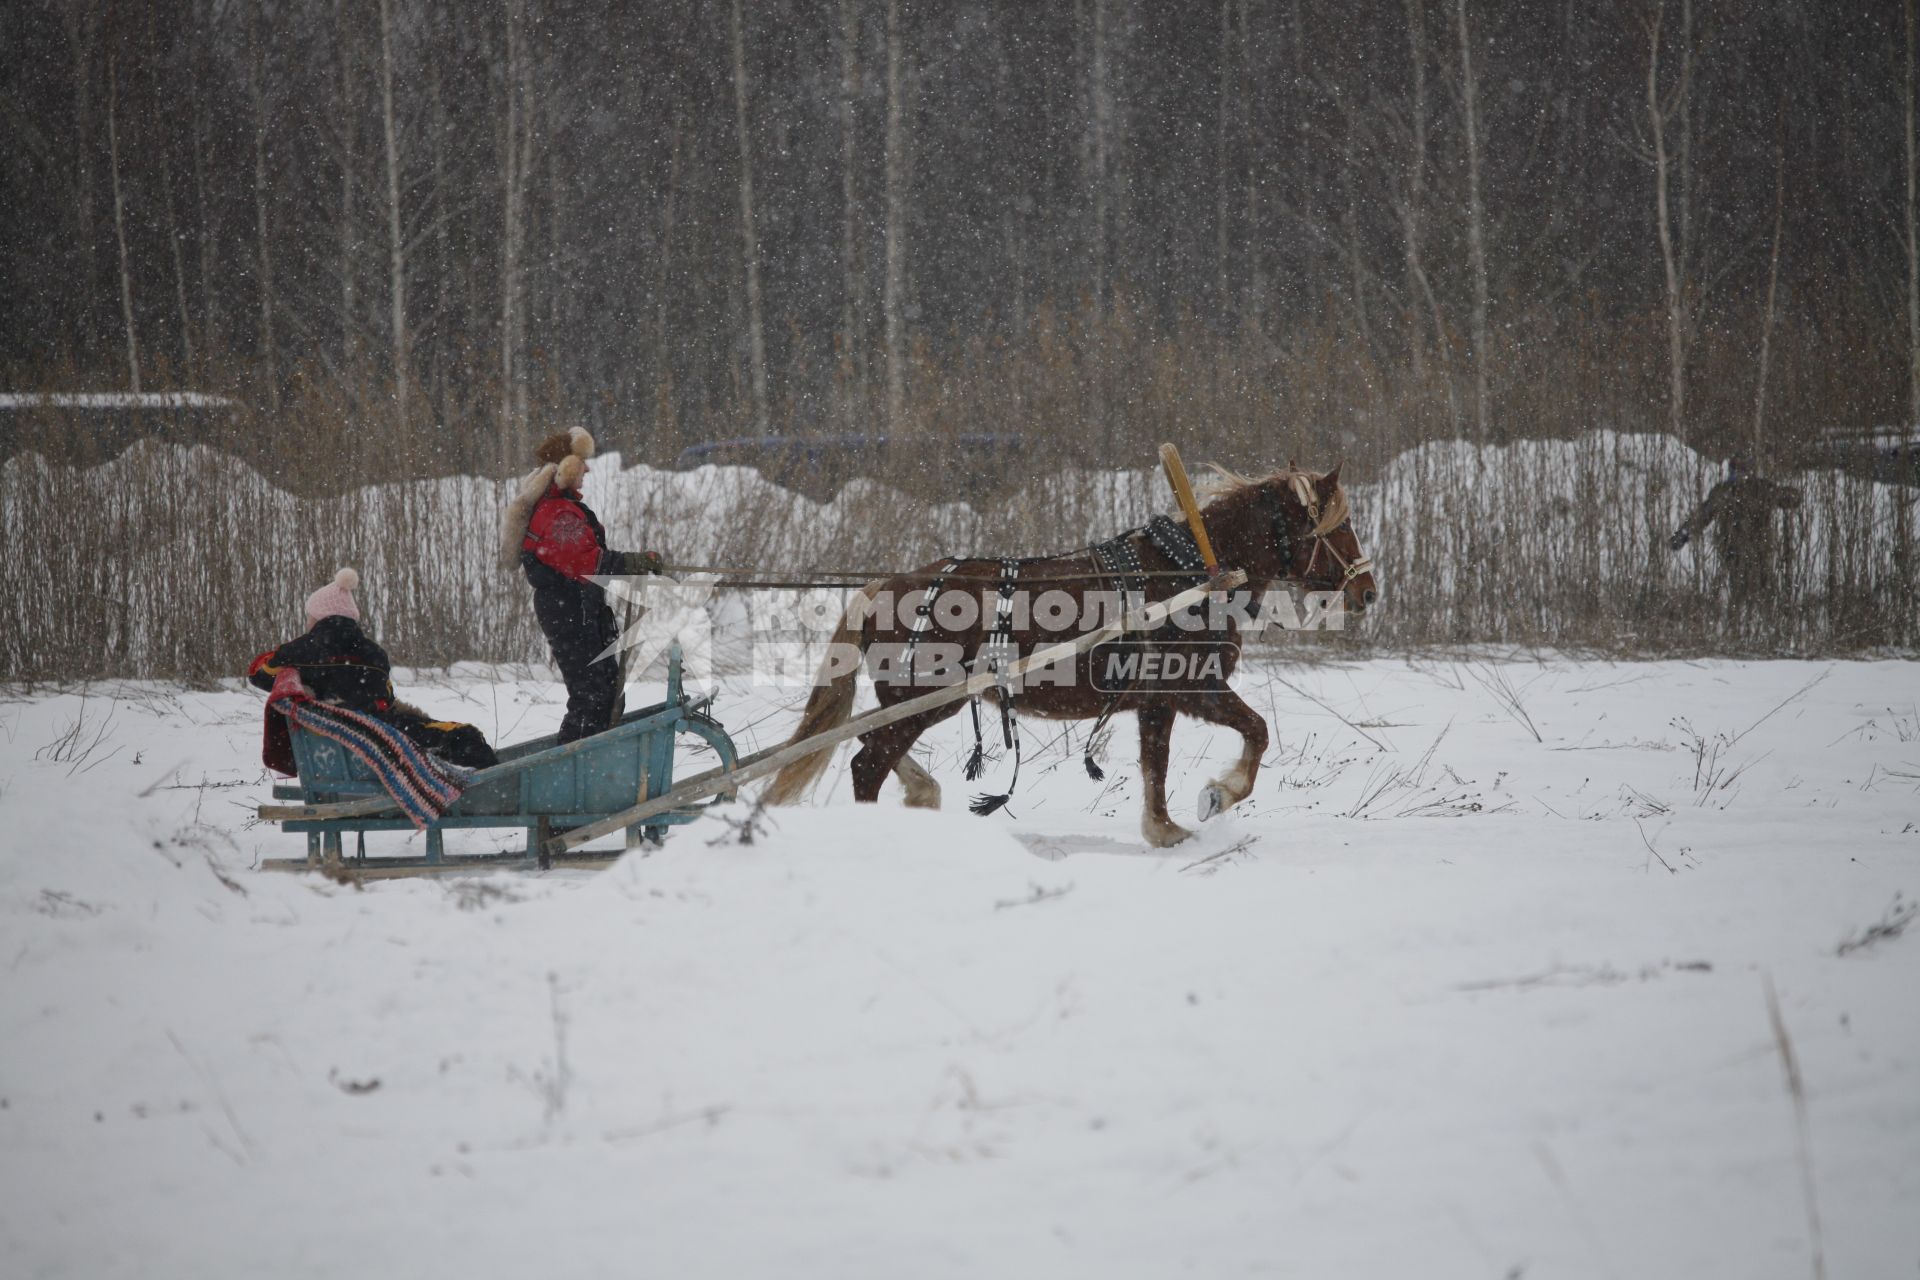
pixel 1499 973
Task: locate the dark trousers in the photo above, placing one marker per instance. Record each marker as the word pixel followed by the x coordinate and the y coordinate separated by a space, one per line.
pixel 460 744
pixel 579 626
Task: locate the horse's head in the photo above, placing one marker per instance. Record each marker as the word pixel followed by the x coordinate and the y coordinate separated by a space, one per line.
pixel 1293 526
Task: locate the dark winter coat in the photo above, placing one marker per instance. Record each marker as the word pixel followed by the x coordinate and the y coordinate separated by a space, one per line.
pixel 1740 510
pixel 564 545
pixel 338 662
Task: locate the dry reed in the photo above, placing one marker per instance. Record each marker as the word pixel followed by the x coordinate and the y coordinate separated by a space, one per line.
pixel 170 562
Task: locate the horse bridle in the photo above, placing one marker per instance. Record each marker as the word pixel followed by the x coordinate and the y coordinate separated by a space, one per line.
pixel 1310 503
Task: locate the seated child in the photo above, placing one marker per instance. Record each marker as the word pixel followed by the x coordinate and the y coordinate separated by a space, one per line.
pixel 340 663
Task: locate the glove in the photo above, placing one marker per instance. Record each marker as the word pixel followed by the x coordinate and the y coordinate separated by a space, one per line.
pixel 636 563
pixel 1678 540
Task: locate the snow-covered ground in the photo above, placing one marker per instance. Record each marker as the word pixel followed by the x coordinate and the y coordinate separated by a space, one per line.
pixel 1481 982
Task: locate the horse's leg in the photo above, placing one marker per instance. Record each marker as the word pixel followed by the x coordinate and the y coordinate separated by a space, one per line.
pixel 1156 738
pixel 923 789
pixel 884 751
pixel 1225 707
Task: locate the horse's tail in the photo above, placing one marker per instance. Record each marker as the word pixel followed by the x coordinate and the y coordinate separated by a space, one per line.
pixel 829 707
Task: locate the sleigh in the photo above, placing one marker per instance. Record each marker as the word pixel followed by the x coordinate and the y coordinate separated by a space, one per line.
pixel 580 805
pixel 540 786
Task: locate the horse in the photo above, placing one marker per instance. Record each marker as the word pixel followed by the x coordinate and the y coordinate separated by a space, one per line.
pixel 937 623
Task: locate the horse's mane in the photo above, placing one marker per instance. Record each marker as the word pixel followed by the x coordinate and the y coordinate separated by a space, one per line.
pixel 1223 483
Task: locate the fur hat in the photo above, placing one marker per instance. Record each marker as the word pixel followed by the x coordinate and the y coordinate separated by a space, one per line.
pixel 335 599
pixel 568 450
pixel 573 441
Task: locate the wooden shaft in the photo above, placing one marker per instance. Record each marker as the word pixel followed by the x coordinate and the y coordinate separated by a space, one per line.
pixel 762 763
pixel 1177 477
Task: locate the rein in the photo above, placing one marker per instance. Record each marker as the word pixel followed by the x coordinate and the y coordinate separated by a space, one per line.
pixel 855 584
pixel 804 578
pixel 1164 533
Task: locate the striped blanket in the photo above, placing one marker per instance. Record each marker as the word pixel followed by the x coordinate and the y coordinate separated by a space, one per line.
pixel 419 786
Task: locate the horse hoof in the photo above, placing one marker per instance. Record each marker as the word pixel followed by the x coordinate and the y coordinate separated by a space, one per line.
pixel 1212 801
pixel 1165 837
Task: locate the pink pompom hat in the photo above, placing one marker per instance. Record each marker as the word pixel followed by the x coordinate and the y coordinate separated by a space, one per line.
pixel 335 599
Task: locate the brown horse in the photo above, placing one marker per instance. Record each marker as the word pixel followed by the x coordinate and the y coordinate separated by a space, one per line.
pixel 934 625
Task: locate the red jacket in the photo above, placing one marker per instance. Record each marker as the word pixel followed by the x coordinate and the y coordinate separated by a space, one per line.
pixel 563 535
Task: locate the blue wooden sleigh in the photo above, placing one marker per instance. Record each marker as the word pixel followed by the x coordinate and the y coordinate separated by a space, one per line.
pixel 539 786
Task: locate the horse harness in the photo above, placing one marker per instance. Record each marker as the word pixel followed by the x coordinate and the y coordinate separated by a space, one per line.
pixel 997 653
pixel 1303 492
pixel 1118 560
pixel 923 613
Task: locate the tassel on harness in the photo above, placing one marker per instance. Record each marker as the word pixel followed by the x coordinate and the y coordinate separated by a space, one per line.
pixel 1094 771
pixel 977 762
pixel 985 804
pixel 1000 637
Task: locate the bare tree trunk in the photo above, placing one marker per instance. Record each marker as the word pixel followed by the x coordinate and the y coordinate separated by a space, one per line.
pixel 510 222
pixel 1413 209
pixel 557 299
pixel 81 29
pixel 896 286
pixel 1306 206
pixel 349 122
pixel 1253 307
pixel 516 159
pixel 1902 518
pixel 853 340
pixel 1096 158
pixel 749 244
pixel 442 234
pixel 1350 225
pixel 179 260
pixel 1015 249
pixel 268 354
pixel 120 223
pixel 1773 284
pixel 1476 223
pixel 1913 239
pixel 665 428
pixel 1671 222
pixel 1223 286
pixel 396 244
pixel 1100 121
pixel 211 327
